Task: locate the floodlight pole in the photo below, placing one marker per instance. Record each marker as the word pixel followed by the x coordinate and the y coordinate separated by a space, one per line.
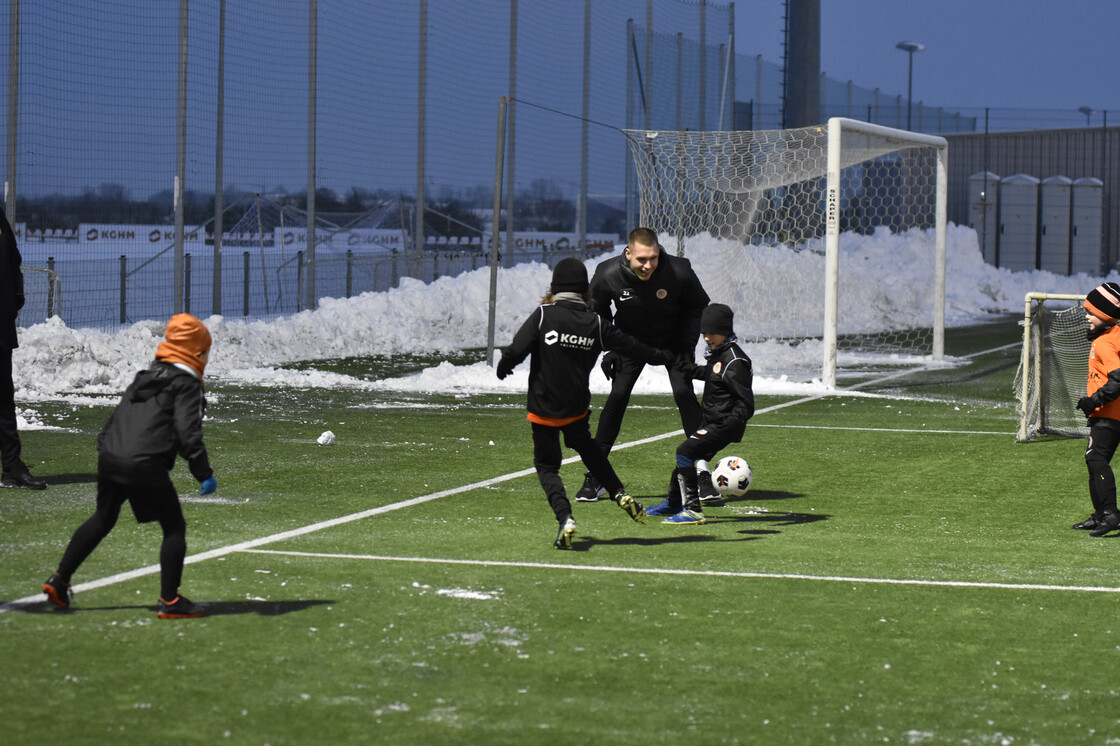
pixel 909 47
pixel 1088 112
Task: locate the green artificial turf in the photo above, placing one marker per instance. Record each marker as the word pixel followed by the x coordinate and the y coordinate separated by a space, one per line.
pixel 901 572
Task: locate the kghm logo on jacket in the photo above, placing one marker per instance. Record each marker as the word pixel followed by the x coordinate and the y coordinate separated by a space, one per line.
pixel 568 340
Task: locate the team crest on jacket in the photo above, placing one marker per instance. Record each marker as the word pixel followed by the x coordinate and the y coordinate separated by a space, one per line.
pixel 717 367
pixel 662 293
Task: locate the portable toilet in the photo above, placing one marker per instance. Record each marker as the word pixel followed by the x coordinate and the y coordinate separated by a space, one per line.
pixel 1054 224
pixel 1018 223
pixel 1087 221
pixel 983 196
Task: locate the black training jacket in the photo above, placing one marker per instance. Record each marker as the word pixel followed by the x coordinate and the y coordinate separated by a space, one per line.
pixel 728 389
pixel 565 339
pixel 158 418
pixel 11 284
pixel 663 311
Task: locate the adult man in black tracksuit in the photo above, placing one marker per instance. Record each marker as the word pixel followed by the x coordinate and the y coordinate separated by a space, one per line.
pixel 15 472
pixel 658 299
pixel 563 339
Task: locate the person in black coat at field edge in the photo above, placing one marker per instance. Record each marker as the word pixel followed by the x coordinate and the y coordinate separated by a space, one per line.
pixel 563 339
pixel 15 472
pixel 728 404
pixel 158 418
pixel 658 299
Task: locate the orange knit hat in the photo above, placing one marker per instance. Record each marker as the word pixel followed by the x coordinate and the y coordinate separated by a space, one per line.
pixel 185 339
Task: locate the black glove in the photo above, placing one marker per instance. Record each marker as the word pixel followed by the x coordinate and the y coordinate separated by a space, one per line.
pixel 683 364
pixel 1085 404
pixel 610 364
pixel 503 370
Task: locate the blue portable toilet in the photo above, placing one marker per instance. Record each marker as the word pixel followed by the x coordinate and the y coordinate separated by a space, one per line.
pixel 1018 223
pixel 1054 224
pixel 1087 221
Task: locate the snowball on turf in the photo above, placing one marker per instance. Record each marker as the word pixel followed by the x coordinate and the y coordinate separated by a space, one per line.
pixel 732 476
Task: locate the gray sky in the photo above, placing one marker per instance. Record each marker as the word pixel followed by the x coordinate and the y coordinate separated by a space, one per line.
pixel 1030 54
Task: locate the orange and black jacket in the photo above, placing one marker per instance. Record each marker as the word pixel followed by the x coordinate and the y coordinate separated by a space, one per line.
pixel 1104 373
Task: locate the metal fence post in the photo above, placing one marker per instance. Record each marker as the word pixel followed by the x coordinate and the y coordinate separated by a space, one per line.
pixel 299 281
pixel 349 271
pixel 186 283
pixel 50 285
pixel 245 284
pixel 124 276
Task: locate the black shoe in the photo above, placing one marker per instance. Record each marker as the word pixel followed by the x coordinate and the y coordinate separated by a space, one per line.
pixel 179 608
pixel 1109 521
pixel 708 491
pixel 591 491
pixel 58 591
pixel 1091 522
pixel 22 479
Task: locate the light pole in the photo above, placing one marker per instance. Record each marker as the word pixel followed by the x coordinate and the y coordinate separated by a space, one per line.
pixel 1088 112
pixel 910 47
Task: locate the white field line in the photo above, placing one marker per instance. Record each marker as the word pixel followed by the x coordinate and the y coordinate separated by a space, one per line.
pixel 704 573
pixel 341 520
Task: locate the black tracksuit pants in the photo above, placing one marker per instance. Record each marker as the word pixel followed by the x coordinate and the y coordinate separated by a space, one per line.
pixel 547 458
pixel 1104 437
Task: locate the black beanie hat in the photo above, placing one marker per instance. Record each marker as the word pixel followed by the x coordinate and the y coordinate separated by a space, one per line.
pixel 717 319
pixel 1103 301
pixel 569 276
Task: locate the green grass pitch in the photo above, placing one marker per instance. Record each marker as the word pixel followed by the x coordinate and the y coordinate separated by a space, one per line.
pixel 901 572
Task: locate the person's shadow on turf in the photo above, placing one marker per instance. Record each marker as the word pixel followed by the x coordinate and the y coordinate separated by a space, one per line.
pixel 211 608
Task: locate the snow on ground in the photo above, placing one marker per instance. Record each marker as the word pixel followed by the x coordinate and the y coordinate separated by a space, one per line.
pixel 885 283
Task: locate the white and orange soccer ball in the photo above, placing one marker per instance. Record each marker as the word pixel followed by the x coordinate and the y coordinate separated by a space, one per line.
pixel 732 476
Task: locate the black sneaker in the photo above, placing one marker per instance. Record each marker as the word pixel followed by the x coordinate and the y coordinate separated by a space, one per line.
pixel 591 490
pixel 58 591
pixel 179 608
pixel 1109 521
pixel 708 491
pixel 1091 522
pixel 22 479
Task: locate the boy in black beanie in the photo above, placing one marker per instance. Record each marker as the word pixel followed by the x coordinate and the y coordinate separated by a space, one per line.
pixel 563 339
pixel 727 405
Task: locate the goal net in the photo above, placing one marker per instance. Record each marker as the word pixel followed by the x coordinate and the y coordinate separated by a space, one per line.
pixel 1054 367
pixel 807 198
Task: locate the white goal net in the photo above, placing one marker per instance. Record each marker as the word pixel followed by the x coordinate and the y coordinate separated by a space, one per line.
pixel 804 195
pixel 1054 367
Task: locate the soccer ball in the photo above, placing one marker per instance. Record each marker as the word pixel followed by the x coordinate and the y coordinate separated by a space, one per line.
pixel 732 476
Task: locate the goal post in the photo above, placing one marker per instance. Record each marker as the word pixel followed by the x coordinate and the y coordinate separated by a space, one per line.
pixel 1053 368
pixel 849 143
pixel 808 197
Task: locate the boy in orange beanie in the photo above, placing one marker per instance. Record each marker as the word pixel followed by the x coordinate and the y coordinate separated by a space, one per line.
pixel 159 417
pixel 1102 406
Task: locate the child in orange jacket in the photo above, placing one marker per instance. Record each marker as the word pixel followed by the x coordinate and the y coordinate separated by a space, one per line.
pixel 1102 406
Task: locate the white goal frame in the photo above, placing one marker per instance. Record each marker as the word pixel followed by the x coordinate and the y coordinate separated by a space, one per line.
pixel 837 128
pixel 805 192
pixel 1031 369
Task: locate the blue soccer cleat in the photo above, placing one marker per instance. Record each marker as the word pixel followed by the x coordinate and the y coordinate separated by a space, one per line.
pixel 686 517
